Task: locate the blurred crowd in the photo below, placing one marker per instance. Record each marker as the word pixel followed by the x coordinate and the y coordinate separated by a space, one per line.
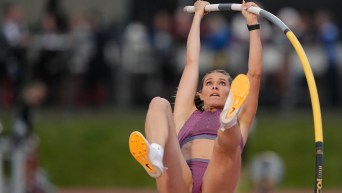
pixel 83 61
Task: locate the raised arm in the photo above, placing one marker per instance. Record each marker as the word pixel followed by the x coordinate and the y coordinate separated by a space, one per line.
pixel 187 88
pixel 249 109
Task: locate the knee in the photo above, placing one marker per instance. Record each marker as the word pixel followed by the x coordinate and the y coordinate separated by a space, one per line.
pixel 161 104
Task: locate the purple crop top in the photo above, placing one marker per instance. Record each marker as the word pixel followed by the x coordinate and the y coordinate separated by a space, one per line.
pixel 201 125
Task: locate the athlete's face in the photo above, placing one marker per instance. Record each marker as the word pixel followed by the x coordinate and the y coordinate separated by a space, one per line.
pixel 215 90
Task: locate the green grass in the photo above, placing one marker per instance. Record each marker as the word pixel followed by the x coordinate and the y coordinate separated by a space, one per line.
pixel 90 148
pixel 292 138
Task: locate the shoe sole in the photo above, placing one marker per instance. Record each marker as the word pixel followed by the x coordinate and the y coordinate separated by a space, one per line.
pixel 138 147
pixel 240 90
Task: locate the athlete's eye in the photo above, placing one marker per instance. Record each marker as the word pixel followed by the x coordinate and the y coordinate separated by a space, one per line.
pixel 209 83
pixel 222 83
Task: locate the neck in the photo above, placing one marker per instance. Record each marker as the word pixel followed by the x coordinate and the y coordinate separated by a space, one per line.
pixel 212 109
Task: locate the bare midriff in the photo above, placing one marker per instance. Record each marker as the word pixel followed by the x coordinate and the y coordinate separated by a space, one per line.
pixel 198 149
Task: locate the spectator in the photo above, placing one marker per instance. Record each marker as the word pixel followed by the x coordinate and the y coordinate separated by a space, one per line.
pixel 328 34
pixel 14 39
pixel 81 50
pixel 98 74
pixel 50 46
pixel 163 45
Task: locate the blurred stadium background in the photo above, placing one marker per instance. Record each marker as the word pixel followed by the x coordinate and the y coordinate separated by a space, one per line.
pixel 76 77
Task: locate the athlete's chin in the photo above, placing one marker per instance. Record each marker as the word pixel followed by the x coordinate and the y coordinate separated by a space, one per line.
pixel 216 104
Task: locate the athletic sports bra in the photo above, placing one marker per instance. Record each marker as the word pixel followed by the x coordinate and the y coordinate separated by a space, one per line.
pixel 200 125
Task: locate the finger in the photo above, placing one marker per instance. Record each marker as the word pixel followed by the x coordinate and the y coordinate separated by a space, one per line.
pixel 244 5
pixel 250 4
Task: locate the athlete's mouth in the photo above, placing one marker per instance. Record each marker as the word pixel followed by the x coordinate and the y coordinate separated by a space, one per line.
pixel 215 95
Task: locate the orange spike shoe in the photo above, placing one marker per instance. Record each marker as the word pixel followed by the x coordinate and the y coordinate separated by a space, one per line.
pixel 150 156
pixel 239 91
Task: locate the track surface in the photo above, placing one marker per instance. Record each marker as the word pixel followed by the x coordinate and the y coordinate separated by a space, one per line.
pixel 80 190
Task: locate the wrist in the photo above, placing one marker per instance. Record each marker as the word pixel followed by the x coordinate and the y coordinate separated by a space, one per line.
pixel 198 15
pixel 252 22
pixel 253 27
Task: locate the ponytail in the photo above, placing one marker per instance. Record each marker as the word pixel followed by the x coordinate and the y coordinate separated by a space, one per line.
pixel 198 102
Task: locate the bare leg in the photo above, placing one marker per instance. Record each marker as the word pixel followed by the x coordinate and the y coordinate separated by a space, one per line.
pixel 160 129
pixel 223 171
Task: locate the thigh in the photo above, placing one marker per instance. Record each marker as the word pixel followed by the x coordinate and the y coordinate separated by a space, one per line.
pixel 223 172
pixel 177 178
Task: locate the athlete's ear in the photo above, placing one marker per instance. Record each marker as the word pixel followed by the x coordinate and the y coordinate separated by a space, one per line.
pixel 199 94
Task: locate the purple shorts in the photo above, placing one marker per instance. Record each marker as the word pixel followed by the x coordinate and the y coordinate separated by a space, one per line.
pixel 197 167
